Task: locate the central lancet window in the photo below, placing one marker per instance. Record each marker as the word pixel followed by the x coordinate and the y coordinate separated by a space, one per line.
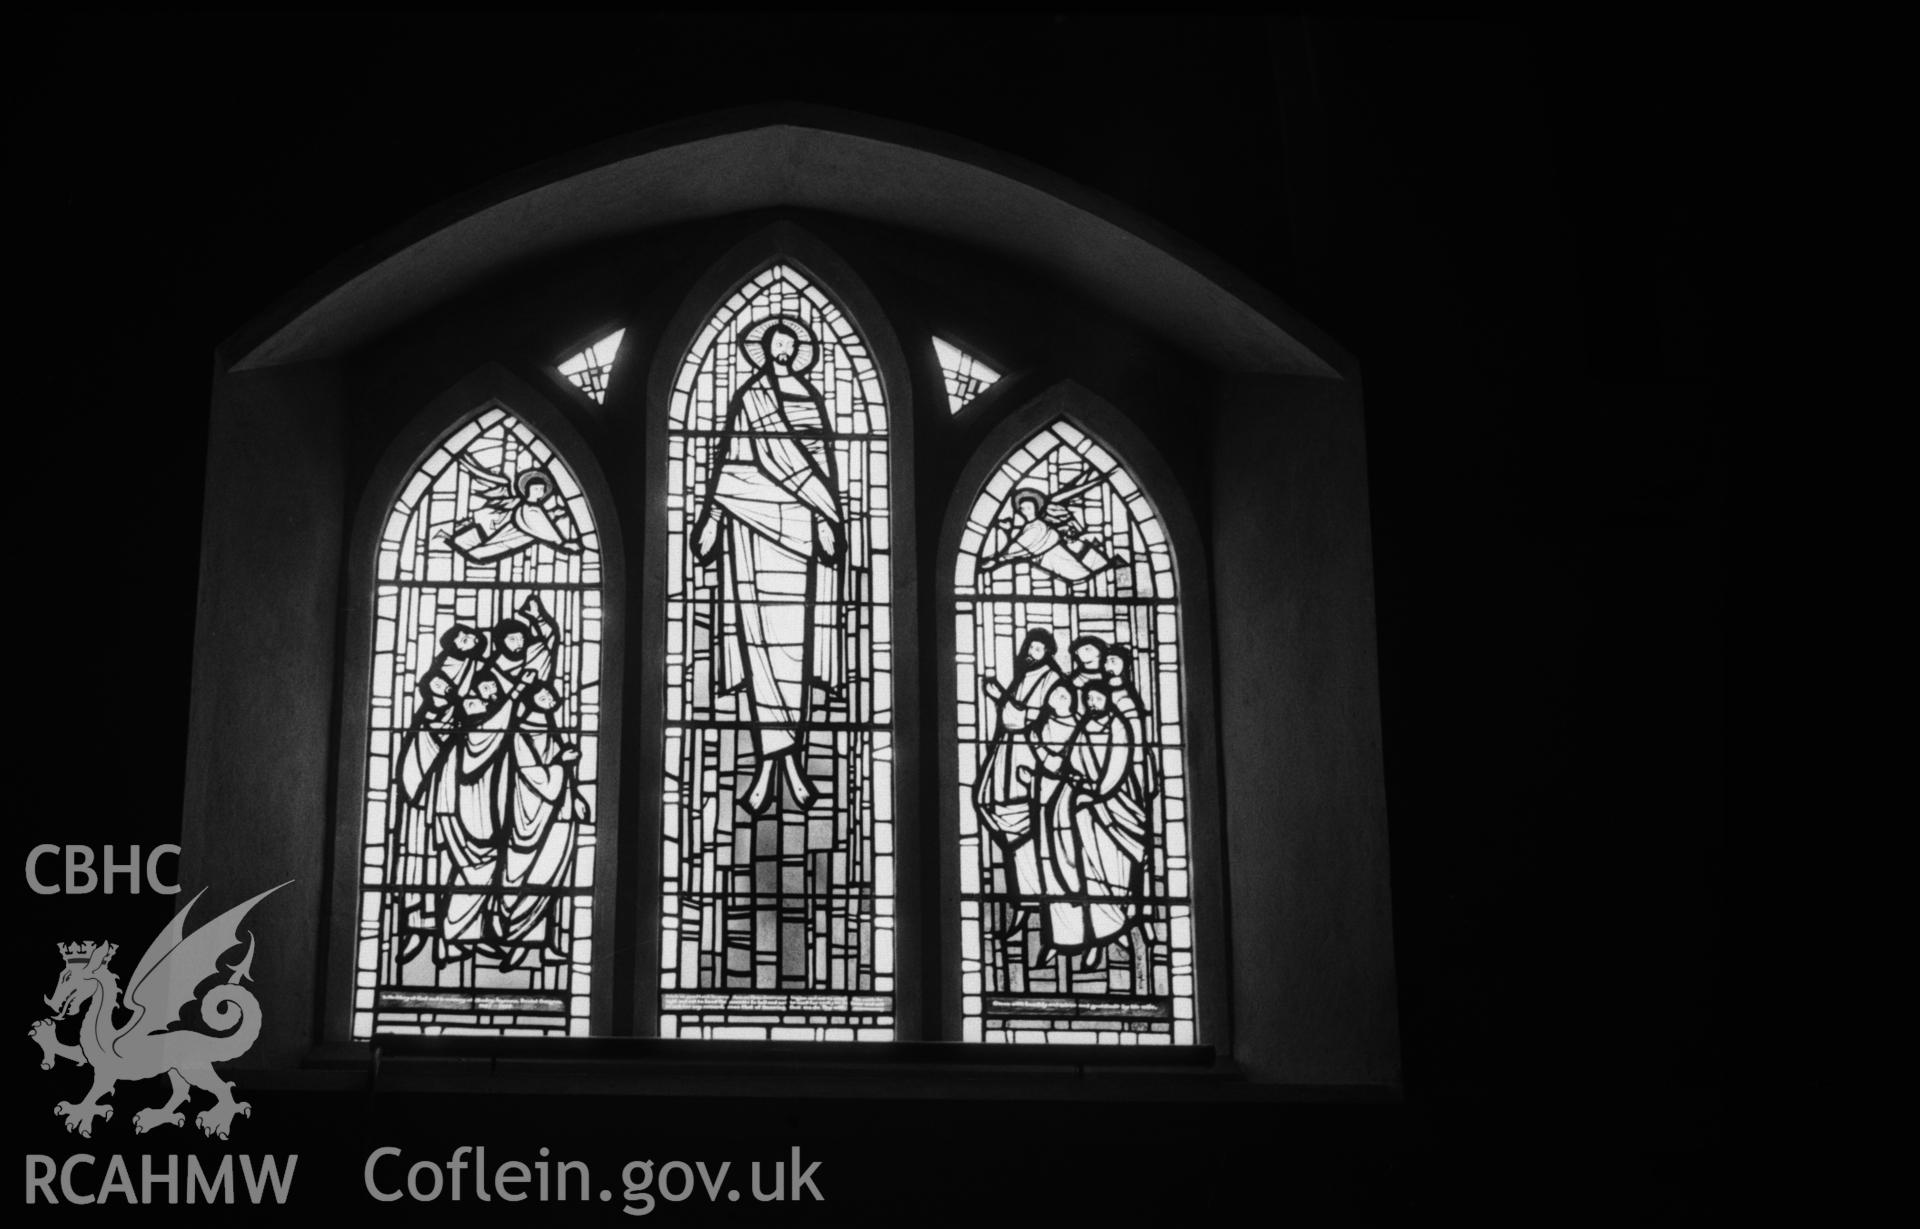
pixel 777 903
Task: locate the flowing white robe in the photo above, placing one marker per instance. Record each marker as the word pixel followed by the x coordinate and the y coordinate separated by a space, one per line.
pixel 1004 794
pixel 542 810
pixel 781 612
pixel 1092 839
pixel 1146 764
pixel 468 828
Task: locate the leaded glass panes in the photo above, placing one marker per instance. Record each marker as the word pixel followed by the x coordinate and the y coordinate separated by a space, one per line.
pixel 476 906
pixel 1075 874
pixel 777 894
pixel 588 370
pixel 966 376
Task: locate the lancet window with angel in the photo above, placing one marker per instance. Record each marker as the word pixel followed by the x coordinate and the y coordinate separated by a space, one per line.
pixel 1075 875
pixel 479 831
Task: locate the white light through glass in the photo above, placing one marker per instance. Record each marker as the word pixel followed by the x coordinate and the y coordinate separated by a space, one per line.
pixel 966 376
pixel 589 370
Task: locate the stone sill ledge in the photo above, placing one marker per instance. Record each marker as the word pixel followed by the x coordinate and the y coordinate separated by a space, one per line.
pixel 887 1071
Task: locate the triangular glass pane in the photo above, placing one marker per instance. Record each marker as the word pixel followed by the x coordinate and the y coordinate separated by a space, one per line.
pixel 589 369
pixel 967 377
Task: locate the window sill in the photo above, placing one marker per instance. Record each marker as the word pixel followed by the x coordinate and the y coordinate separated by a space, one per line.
pixel 879 1071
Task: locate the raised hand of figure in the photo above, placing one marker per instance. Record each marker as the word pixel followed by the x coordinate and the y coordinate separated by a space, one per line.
pixel 569 754
pixel 706 536
pixel 827 543
pixel 992 687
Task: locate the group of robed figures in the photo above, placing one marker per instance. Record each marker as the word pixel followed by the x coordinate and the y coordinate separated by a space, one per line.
pixel 497 784
pixel 1066 785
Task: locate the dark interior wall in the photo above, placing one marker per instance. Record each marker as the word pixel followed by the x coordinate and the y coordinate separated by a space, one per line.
pixel 1299 711
pixel 262 740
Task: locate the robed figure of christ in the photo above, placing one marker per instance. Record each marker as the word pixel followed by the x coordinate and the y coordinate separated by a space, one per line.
pixel 771 519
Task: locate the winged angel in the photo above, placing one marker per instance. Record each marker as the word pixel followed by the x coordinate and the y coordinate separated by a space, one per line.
pixel 155 1040
pixel 513 515
pixel 1042 530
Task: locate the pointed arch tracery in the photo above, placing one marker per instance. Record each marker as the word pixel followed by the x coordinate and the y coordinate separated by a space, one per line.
pixel 1074 834
pixel 476 908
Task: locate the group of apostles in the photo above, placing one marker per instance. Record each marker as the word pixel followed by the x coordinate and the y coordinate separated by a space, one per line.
pixel 498 785
pixel 1066 786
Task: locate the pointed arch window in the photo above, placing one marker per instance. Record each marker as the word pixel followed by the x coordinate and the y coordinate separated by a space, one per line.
pixel 1075 876
pixel 476 909
pixel 777 900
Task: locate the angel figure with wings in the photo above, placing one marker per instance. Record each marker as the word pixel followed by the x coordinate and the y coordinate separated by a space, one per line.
pixel 512 517
pixel 1044 532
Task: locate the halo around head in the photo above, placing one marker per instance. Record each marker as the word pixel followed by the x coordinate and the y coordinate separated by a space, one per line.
pixel 525 479
pixel 1020 493
pixel 806 347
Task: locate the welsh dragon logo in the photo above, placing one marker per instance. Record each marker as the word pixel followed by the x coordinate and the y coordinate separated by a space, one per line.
pixel 154 1040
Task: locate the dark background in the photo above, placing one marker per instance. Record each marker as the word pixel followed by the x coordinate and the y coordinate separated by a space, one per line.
pixel 1506 223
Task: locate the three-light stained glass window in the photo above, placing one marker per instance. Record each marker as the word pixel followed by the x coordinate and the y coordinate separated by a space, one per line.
pixel 777 900
pixel 1075 872
pixel 477 862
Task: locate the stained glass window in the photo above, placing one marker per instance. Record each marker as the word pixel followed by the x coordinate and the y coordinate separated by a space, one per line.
pixel 1075 908
pixel 476 907
pixel 777 899
pixel 589 369
pixel 967 377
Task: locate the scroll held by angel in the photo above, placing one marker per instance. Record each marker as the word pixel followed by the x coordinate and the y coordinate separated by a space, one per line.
pixel 771 519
